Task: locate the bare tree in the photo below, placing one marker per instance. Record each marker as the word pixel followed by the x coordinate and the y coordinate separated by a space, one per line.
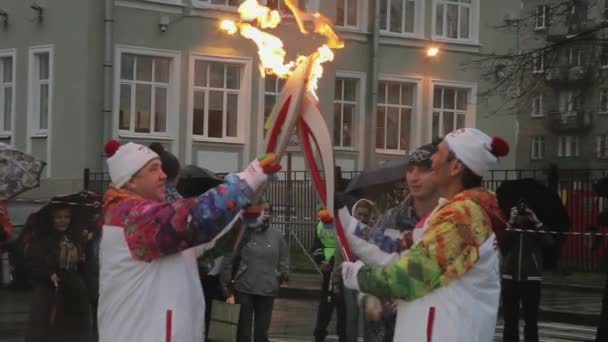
pixel 558 41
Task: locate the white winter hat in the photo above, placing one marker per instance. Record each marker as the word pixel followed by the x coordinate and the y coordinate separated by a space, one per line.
pixel 127 160
pixel 475 149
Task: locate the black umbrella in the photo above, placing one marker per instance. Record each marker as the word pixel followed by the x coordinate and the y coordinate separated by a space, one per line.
pixel 389 173
pixel 195 180
pixel 544 202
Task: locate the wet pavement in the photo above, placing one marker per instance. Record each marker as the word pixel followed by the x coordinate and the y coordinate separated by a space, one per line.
pixel 294 317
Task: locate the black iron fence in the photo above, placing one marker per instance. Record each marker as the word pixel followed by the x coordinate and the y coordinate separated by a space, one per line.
pixel 294 203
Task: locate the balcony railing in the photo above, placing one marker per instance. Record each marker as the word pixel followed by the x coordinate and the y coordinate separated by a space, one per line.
pixel 570 121
pixel 565 74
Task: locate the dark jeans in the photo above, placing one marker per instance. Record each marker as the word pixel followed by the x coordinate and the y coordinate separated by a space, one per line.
pixel 255 309
pixel 212 290
pixel 329 301
pixel 528 294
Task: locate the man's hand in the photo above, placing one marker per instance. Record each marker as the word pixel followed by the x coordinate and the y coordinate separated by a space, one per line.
pixel 350 270
pixel 259 170
pixel 325 266
pixel 55 279
pixel 532 218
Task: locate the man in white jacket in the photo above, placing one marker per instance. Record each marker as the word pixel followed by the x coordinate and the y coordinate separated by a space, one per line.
pixel 448 280
pixel 149 285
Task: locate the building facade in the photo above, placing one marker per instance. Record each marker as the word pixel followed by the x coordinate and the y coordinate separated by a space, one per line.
pixel 564 119
pixel 76 73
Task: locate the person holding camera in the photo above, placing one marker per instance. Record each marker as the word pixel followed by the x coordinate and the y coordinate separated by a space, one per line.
pixel 522 272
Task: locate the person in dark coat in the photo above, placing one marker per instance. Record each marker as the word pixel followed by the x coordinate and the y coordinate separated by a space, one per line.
pixel 59 306
pixel 522 272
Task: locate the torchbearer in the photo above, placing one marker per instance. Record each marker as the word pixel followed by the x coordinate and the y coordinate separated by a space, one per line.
pixel 149 283
pixel 448 281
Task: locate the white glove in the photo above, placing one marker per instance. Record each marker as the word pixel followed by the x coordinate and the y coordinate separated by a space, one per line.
pixel 254 175
pixel 349 274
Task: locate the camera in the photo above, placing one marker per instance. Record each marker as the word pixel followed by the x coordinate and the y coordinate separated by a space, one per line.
pixel 521 208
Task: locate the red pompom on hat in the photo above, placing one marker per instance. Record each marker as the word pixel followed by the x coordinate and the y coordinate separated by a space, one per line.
pixel 111 147
pixel 500 147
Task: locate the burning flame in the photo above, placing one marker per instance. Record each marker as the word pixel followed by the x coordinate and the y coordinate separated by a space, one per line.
pixel 270 47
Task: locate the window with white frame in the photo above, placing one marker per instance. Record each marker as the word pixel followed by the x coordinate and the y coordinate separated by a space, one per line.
pixel 537 105
pixel 282 6
pixel 541 17
pixel 272 89
pixel 455 19
pixel 346 99
pixel 145 87
pixel 602 146
pixel 399 16
pixel 575 56
pixel 538 63
pixel 41 70
pixel 568 146
pixel 273 4
pixel 569 101
pixel 347 14
pixel 603 100
pixel 7 86
pixel 217 92
pixel 450 107
pixel 224 3
pixel 394 116
pixel 537 147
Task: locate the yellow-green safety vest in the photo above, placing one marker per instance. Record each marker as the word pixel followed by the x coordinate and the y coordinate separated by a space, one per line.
pixel 328 240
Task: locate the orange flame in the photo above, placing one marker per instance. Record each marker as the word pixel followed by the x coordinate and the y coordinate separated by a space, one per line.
pixel 270 48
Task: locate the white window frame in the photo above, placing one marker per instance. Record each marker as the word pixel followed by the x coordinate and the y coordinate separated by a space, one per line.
pixel 4 133
pixel 359 119
pixel 470 119
pixel 603 97
pixel 537 147
pixel 602 146
pixel 168 2
pixel 261 102
pixel 415 123
pixel 536 58
pixel 474 17
pixel 537 106
pixel 311 5
pixel 419 10
pixel 360 15
pixel 564 146
pixel 541 13
pixel 244 105
pixel 173 97
pixel 33 91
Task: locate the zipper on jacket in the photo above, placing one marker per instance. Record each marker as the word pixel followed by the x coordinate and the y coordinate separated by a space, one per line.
pixel 521 246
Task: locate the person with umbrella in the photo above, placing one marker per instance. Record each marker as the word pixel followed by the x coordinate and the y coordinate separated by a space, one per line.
pixel 59 307
pixel 149 283
pixel 522 248
pixel 448 282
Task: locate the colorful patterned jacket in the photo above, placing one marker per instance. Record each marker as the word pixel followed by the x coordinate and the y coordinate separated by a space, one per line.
pixel 449 280
pixel 154 229
pixel 149 280
pixel 447 249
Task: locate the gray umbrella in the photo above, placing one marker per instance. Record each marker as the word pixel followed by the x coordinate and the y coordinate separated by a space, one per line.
pixel 389 173
pixel 19 172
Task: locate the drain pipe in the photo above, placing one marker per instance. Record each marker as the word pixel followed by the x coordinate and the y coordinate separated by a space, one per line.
pixel 372 119
pixel 108 22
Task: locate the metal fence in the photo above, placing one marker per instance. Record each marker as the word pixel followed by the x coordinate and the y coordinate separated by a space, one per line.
pixel 294 203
